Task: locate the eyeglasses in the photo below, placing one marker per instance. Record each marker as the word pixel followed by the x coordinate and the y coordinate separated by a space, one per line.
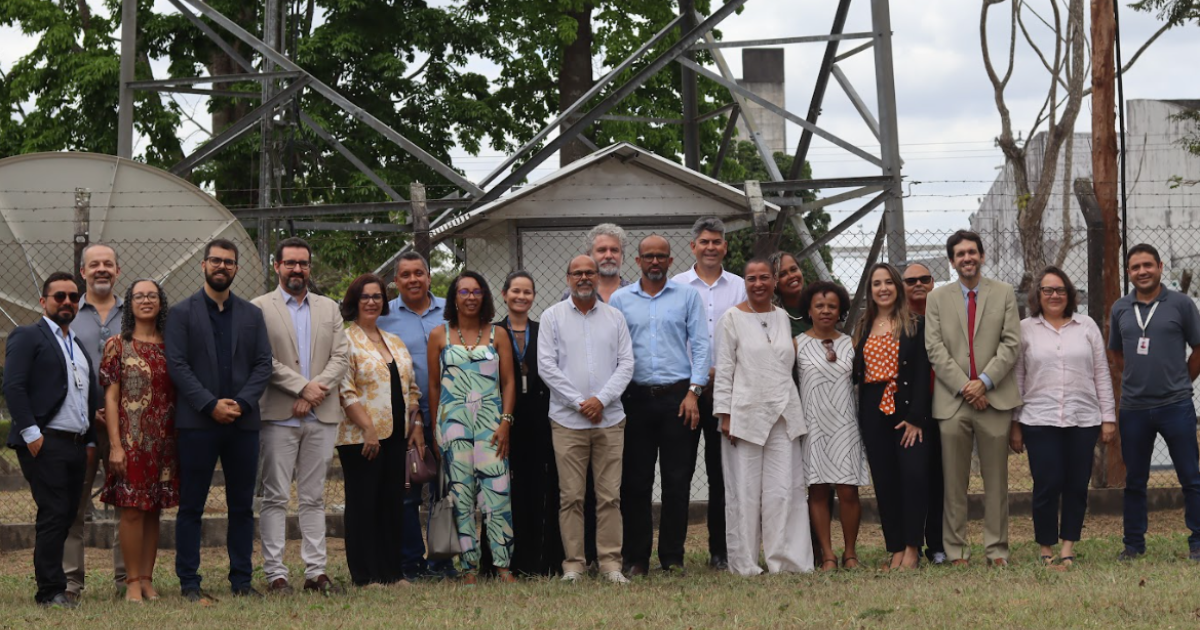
pixel 216 261
pixel 912 282
pixel 371 297
pixel 830 353
pixel 470 293
pixel 145 297
pixel 1053 291
pixel 582 274
pixel 654 257
pixel 63 296
pixel 293 264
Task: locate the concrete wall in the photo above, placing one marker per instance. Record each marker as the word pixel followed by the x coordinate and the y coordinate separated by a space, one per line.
pixel 763 74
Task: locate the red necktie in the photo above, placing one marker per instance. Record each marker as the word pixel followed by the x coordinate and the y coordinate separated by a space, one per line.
pixel 971 331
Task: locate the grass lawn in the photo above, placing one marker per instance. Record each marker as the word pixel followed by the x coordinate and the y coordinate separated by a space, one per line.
pixel 1158 591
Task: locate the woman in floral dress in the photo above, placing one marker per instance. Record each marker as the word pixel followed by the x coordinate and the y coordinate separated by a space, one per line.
pixel 139 405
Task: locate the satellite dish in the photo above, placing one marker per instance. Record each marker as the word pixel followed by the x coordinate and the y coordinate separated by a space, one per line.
pixel 157 223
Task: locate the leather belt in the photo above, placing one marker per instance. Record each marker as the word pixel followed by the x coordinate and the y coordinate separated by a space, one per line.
pixel 74 438
pixel 656 391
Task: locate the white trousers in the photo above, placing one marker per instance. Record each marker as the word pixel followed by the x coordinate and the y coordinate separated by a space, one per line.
pixel 766 501
pixel 302 453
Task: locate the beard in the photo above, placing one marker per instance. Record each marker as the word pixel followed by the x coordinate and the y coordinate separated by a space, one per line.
pixel 296 284
pixel 102 289
pixel 655 276
pixel 219 284
pixel 583 292
pixel 62 317
pixel 609 269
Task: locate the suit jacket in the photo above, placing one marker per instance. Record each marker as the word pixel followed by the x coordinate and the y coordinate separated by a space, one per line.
pixel 912 379
pixel 997 344
pixel 35 381
pixel 368 382
pixel 327 356
pixel 192 361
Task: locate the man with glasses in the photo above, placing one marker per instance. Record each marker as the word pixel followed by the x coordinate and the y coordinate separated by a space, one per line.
pixel 918 282
pixel 670 348
pixel 52 397
pixel 605 243
pixel 585 357
pixel 219 357
pixel 100 313
pixel 300 413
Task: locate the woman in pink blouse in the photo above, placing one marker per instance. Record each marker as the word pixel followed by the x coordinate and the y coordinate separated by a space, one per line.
pixel 1062 373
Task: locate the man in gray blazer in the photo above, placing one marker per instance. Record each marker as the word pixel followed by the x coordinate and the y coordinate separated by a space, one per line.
pixel 219 358
pixel 300 413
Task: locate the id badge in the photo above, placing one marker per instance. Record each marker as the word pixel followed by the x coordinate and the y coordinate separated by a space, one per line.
pixel 1143 345
pixel 524 384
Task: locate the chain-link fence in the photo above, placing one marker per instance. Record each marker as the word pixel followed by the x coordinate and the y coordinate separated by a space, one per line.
pixel 545 252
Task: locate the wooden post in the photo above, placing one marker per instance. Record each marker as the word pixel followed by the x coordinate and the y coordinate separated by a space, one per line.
pixel 1104 173
pixel 758 216
pixel 83 212
pixel 420 219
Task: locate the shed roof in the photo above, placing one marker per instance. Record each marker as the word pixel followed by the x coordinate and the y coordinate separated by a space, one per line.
pixel 622 183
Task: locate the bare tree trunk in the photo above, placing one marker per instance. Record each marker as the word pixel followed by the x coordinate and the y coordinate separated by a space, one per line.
pixel 575 77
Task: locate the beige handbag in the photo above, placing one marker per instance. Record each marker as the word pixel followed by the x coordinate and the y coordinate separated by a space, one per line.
pixel 443 526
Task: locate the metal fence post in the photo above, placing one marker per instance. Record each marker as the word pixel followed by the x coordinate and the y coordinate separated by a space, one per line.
pixel 420 219
pixel 83 212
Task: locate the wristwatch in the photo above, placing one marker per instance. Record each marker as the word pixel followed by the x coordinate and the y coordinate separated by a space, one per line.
pixel 696 389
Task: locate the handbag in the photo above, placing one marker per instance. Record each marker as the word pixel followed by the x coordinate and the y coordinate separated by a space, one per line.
pixel 443 525
pixel 417 469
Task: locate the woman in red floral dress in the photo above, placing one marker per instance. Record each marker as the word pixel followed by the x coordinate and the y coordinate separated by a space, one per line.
pixel 143 470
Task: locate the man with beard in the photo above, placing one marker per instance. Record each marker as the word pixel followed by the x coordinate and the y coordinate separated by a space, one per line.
pixel 973 336
pixel 670 347
pixel 720 290
pixel 918 282
pixel 411 317
pixel 100 313
pixel 219 357
pixel 52 397
pixel 605 243
pixel 300 413
pixel 585 357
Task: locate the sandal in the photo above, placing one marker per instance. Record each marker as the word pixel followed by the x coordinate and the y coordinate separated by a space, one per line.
pixel 129 583
pixel 1066 562
pixel 153 596
pixel 506 576
pixel 1047 561
pixel 828 561
pixel 470 579
pixel 846 560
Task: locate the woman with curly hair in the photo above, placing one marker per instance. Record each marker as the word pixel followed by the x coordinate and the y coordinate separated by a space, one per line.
pixel 139 403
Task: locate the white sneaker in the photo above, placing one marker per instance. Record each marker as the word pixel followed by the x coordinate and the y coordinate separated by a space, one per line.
pixel 572 576
pixel 616 577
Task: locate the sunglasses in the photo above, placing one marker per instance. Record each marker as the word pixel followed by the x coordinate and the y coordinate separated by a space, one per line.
pixel 912 282
pixel 63 296
pixel 830 353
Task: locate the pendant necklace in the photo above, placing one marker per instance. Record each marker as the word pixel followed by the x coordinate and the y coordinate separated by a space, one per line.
pixel 761 321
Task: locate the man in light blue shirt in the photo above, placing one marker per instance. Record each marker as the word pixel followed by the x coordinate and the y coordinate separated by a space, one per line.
pixel 412 316
pixel 670 348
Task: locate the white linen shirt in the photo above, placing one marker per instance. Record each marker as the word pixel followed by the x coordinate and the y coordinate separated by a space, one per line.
pixel 727 292
pixel 1063 375
pixel 753 383
pixel 581 355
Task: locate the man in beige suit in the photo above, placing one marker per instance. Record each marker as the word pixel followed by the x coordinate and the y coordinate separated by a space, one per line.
pixel 300 414
pixel 973 336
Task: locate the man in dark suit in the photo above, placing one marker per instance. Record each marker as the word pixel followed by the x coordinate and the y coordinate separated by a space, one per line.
pixel 219 357
pixel 52 398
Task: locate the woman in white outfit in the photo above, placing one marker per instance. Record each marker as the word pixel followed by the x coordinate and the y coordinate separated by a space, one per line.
pixel 764 455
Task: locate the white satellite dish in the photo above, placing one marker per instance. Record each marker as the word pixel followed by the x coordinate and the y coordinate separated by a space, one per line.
pixel 157 223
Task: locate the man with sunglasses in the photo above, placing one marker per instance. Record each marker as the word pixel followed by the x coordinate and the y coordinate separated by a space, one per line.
pixel 301 413
pixel 219 357
pixel 918 282
pixel 53 398
pixel 670 348
pixel 100 312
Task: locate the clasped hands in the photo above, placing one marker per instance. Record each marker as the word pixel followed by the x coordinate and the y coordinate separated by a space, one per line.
pixel 975 393
pixel 312 395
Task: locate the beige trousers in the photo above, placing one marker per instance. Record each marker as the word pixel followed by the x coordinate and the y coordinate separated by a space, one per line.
pixel 986 430
pixel 574 449
pixel 73 550
pixel 301 453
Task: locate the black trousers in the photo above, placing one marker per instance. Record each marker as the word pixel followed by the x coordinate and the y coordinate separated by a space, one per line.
pixel 537 548
pixel 711 427
pixel 654 433
pixel 55 477
pixel 374 517
pixel 900 475
pixel 933 518
pixel 1060 461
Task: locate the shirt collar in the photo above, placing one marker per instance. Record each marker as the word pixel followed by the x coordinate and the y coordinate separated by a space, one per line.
pixel 213 303
pixel 1162 295
pixel 965 290
pixel 289 299
pixel 1041 319
pixel 56 329
pixel 435 304
pixel 636 287
pixel 83 302
pixel 691 276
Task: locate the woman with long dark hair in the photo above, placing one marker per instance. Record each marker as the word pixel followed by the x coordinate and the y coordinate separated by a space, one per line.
pixel 472 397
pixel 139 404
pixel 789 284
pixel 891 369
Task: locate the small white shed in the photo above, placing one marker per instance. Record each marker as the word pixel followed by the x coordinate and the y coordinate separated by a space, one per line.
pixel 542 226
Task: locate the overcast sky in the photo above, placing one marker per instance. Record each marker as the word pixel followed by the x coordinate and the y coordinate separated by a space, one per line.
pixel 947 113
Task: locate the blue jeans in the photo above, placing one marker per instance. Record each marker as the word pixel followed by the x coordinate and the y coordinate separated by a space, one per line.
pixel 198 454
pixel 1176 423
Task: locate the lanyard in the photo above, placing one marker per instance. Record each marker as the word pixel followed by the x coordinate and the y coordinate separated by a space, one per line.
pixel 69 343
pixel 513 338
pixel 1138 313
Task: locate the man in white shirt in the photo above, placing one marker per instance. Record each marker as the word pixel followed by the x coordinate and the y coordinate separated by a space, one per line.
pixel 720 291
pixel 585 357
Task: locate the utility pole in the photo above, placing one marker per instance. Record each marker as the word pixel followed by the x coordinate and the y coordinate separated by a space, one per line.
pixel 125 98
pixel 688 92
pixel 1104 174
pixel 83 212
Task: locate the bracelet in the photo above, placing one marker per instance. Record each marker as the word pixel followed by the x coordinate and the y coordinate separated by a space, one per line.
pixel 507 416
pixel 418 423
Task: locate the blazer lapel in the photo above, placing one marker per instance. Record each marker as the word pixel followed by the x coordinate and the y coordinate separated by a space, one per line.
pixel 960 307
pixel 204 326
pixel 981 296
pixel 45 328
pixel 281 309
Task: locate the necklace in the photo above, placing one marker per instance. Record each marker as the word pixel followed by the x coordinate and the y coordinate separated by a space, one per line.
pixel 794 318
pixel 761 321
pixel 478 338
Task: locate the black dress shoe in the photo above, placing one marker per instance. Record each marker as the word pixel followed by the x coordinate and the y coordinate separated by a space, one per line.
pixel 720 563
pixel 636 570
pixel 60 601
pixel 248 591
pixel 197 596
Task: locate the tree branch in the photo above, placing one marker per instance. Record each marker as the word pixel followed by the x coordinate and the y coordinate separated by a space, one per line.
pixel 1164 28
